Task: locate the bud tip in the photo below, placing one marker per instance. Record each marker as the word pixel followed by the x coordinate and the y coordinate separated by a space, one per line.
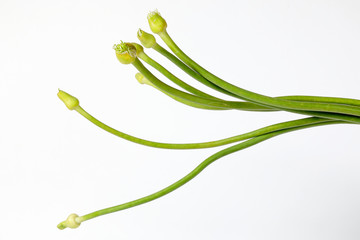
pixel 70 102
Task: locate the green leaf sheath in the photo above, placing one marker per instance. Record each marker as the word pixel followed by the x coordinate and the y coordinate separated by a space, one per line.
pixel 143 56
pixel 197 76
pixel 312 121
pixel 227 104
pixel 255 97
pixel 192 174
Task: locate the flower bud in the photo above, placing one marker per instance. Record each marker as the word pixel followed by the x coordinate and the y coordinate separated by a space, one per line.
pixel 70 101
pixel 147 40
pixel 70 222
pixel 125 52
pixel 156 22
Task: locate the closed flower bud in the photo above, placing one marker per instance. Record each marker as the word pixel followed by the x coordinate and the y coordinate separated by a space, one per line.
pixel 156 22
pixel 70 222
pixel 71 102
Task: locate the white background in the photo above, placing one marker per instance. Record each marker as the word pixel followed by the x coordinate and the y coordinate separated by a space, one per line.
pixel 302 185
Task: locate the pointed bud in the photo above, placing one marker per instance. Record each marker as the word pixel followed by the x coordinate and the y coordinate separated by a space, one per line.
pixel 147 40
pixel 125 52
pixel 156 22
pixel 70 101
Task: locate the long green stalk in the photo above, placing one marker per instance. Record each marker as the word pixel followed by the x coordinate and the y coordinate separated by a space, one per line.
pixel 190 71
pixel 335 100
pixel 200 101
pixel 312 121
pixel 200 78
pixel 197 99
pixel 141 79
pixel 255 97
pixel 227 104
pixel 143 56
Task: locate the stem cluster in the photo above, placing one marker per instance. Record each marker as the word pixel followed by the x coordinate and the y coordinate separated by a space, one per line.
pixel 320 110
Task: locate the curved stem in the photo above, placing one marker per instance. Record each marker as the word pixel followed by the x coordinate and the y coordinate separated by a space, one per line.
pixel 190 71
pixel 143 56
pixel 232 105
pixel 190 175
pixel 179 82
pixel 196 99
pixel 189 103
pixel 144 80
pixel 201 101
pixel 200 78
pixel 312 121
pixel 255 97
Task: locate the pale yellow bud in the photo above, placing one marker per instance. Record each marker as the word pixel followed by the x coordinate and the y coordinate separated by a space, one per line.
pixel 125 52
pixel 71 102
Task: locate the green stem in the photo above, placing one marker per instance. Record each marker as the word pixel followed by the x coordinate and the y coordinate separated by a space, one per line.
pixel 231 105
pixel 190 175
pixel 200 78
pixel 196 99
pixel 179 82
pixel 255 97
pixel 189 103
pixel 144 80
pixel 190 71
pixel 335 100
pixel 143 56
pixel 312 121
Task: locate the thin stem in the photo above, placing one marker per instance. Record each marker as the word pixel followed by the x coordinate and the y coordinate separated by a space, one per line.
pixel 190 175
pixel 312 121
pixel 255 97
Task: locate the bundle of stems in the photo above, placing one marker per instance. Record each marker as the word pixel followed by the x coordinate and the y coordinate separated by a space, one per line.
pixel 320 110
